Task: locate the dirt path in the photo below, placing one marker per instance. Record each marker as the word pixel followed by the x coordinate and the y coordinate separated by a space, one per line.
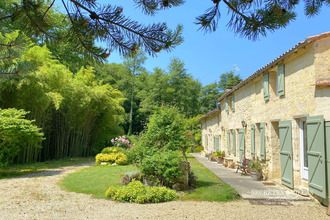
pixel 37 196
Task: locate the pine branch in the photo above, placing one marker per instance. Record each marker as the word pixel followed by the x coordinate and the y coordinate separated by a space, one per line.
pixel 50 6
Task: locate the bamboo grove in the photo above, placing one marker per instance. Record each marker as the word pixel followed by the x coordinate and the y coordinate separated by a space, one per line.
pixel 76 113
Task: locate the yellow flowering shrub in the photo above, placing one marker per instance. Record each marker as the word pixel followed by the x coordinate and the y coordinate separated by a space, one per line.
pixel 118 158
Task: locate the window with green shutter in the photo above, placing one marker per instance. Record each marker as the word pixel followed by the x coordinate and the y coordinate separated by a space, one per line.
pixel 280 80
pixel 234 142
pixel 216 142
pixel 232 102
pixel 266 86
pixel 226 105
pixel 228 141
pixel 252 141
pixel 262 142
pixel 206 143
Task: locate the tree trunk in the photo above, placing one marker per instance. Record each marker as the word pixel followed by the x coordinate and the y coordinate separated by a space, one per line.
pixel 131 110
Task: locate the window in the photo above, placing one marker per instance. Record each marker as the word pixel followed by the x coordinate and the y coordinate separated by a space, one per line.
pixel 227 105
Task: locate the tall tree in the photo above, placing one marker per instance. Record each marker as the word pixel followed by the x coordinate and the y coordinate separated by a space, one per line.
pixel 209 95
pixel 134 63
pixel 228 80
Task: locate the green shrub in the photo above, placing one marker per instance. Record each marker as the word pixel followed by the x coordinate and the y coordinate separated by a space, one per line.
pixel 110 150
pixel 118 158
pixel 16 133
pixel 162 168
pixel 138 193
pixel 162 146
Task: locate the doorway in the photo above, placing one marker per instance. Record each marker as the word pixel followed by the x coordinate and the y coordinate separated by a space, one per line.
pixel 303 149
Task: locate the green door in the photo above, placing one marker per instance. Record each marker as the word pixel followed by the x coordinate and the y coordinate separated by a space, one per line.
pixel 241 144
pixel 316 155
pixel 327 149
pixel 286 153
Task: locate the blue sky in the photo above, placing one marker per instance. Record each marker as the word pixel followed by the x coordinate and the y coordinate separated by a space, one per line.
pixel 208 55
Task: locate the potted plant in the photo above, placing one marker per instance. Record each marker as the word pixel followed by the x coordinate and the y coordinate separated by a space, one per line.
pixel 221 155
pixel 255 168
pixel 232 165
pixel 225 164
pixel 213 157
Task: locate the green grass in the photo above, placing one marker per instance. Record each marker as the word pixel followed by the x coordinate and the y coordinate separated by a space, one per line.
pixel 21 169
pixel 210 187
pixel 96 180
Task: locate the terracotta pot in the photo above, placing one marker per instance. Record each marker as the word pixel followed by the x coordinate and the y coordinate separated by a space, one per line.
pixel 220 160
pixel 226 165
pixel 232 166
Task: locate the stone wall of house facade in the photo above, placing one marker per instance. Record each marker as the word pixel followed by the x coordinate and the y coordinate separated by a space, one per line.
pixel 302 98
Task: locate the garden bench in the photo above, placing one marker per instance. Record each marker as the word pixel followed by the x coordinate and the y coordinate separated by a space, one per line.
pixel 244 166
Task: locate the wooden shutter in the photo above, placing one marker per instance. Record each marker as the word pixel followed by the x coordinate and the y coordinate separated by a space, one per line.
pixel 226 105
pixel 233 102
pixel 280 80
pixel 241 144
pixel 285 133
pixel 252 141
pixel 266 86
pixel 262 142
pixel 316 155
pixel 228 141
pixel 234 142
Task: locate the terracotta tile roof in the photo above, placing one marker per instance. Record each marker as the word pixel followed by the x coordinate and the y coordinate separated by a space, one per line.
pixel 275 61
pixel 210 113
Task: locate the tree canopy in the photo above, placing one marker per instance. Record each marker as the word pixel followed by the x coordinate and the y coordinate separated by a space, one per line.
pixel 85 22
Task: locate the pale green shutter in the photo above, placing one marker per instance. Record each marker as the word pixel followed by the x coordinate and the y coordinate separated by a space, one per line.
pixel 252 141
pixel 266 86
pixel 280 80
pixel 316 155
pixel 262 142
pixel 285 133
pixel 226 105
pixel 232 102
pixel 234 142
pixel 228 141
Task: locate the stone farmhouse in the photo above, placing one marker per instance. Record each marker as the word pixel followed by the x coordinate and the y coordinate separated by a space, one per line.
pixel 280 114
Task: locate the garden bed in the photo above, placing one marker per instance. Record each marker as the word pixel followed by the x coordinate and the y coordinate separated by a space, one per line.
pixel 97 179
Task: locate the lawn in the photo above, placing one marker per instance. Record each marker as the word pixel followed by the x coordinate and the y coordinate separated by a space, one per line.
pixel 21 169
pixel 96 180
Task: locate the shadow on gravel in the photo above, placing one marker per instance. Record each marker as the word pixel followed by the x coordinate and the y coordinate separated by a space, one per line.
pixel 44 173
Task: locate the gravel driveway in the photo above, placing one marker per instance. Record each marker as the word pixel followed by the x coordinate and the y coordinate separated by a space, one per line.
pixel 37 196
